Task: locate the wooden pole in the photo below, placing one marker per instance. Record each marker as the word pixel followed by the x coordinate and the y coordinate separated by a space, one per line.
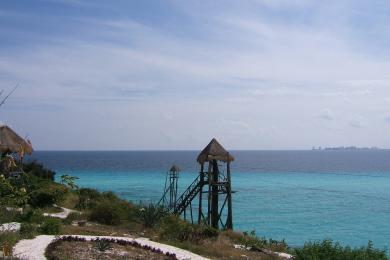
pixel 214 196
pixel 209 195
pixel 200 194
pixel 229 222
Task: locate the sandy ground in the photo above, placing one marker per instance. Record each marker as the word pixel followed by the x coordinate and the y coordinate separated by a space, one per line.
pixel 34 249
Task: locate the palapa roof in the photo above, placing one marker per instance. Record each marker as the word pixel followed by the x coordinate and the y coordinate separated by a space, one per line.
pixel 214 151
pixel 174 168
pixel 11 141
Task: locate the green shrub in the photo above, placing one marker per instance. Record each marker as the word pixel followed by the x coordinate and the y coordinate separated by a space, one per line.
pixel 173 228
pixel 37 169
pixel 31 216
pixel 326 249
pixel 88 198
pixel 103 245
pixel 47 196
pixel 7 216
pixel 73 216
pixel 150 215
pixel 51 226
pixel 42 198
pixel 28 230
pixel 106 213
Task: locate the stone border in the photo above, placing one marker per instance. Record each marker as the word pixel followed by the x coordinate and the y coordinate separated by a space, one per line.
pixel 34 249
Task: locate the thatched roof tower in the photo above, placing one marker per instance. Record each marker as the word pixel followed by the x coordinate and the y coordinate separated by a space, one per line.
pixel 174 168
pixel 214 151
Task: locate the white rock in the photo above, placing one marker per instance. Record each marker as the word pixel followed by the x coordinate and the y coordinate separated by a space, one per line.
pixel 10 227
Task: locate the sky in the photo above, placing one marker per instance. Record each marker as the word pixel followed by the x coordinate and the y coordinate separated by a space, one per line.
pixel 172 74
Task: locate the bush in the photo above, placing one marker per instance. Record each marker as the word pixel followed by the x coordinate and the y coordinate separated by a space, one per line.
pixel 106 213
pixel 73 216
pixel 38 170
pixel 31 216
pixel 88 198
pixel 28 230
pixel 175 229
pixel 103 245
pixel 51 226
pixel 42 198
pixel 47 196
pixel 150 215
pixel 7 216
pixel 329 250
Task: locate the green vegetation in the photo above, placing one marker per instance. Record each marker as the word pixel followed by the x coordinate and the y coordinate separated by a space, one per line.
pixel 335 251
pixel 151 214
pixel 51 226
pixel 250 240
pixel 103 245
pixel 37 169
pixel 35 192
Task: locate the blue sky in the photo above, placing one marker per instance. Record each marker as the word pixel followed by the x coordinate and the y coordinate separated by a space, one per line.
pixel 255 74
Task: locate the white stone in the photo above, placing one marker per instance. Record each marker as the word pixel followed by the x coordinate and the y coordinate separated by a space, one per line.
pixel 10 227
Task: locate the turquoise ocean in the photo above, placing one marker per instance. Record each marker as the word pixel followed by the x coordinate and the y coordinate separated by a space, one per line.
pixel 293 195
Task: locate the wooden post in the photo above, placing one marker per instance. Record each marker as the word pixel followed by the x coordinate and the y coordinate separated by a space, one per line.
pixel 209 195
pixel 200 212
pixel 229 221
pixel 214 196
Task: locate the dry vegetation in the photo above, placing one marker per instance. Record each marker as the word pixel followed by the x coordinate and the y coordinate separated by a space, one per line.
pixel 90 250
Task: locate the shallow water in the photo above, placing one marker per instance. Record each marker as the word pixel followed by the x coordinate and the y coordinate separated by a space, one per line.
pixel 295 195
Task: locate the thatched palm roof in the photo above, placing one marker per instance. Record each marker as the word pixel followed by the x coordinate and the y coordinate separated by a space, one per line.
pixel 214 151
pixel 175 168
pixel 11 141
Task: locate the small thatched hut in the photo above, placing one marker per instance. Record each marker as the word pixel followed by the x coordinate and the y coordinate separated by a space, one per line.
pixel 13 143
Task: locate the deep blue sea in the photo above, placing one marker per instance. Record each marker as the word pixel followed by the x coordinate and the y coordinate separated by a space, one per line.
pixel 292 195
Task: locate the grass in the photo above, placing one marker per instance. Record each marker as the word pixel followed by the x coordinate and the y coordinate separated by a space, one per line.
pixel 327 249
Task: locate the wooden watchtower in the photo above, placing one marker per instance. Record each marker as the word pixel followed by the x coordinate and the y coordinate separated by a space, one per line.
pixel 218 185
pixel 168 200
pixel 212 187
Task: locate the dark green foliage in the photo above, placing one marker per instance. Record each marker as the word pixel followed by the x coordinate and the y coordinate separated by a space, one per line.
pixel 47 196
pixel 175 229
pixel 106 213
pixel 28 230
pixel 105 208
pixel 103 245
pixel 7 216
pixel 42 198
pixel 329 250
pixel 51 226
pixel 73 216
pixel 38 170
pixel 151 214
pixel 69 181
pixel 88 198
pixel 31 216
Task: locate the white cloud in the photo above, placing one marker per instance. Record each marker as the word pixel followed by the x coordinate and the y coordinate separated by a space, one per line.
pixel 326 114
pixel 238 77
pixel 356 122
